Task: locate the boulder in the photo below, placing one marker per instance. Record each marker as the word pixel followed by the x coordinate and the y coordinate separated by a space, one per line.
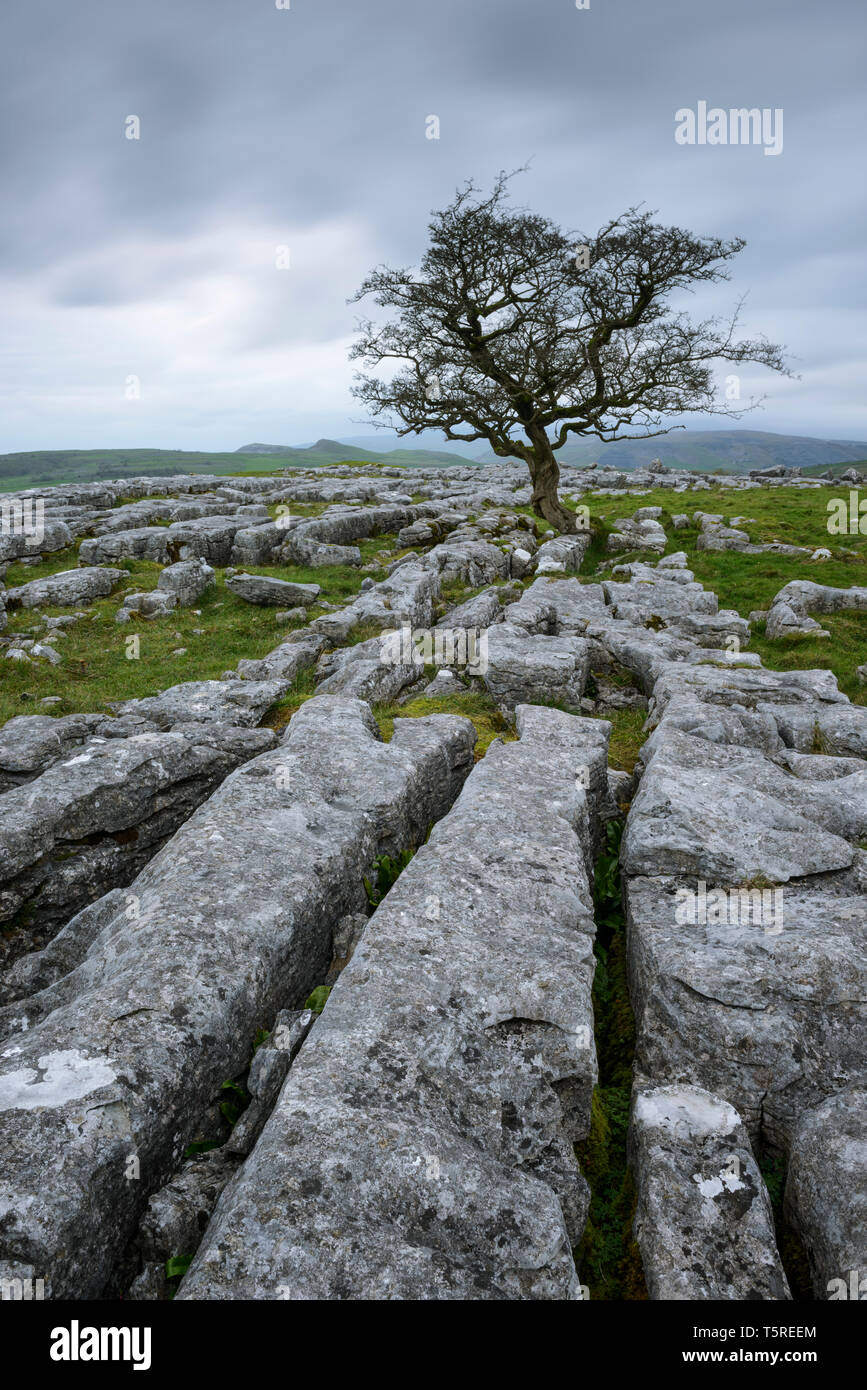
pixel 226 926
pixel 523 668
pixel 458 1087
pixel 703 1220
pixel 273 593
pixel 68 589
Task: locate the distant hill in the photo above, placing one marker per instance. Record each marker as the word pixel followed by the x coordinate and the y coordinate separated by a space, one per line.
pixel 334 451
pixel 44 467
pixel 729 451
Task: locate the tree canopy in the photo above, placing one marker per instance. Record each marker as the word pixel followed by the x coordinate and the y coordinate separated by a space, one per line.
pixel 518 333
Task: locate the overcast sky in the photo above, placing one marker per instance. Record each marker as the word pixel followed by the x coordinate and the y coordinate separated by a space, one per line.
pixel 305 128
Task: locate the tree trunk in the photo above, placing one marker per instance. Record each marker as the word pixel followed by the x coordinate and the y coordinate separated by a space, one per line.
pixel 546 477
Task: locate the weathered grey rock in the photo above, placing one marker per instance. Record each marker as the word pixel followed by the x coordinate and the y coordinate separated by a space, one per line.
pixel 821 598
pixel 69 588
pixel 633 534
pixel 715 536
pixel 139 543
pixel 826 1192
pixel 29 743
pixel 176 1217
pixel 714 629
pixel 727 724
pixel 405 597
pixel 621 787
pixel 258 545
pixel 836 729
pixel 44 652
pixel 565 551
pixel 41 968
pixel 522 667
pixel 133 515
pixel 233 921
pixel 299 549
pixel 762 1001
pixel 343 526
pixel 18 542
pixel 472 561
pixel 90 822
pixel 728 814
pixel 703 1221
pixel 478 612
pixel 273 593
pixel 812 694
pixel 207 538
pixel 421 1146
pixel 285 662
pixel 370 671
pixel 786 620
pixel 666 595
pixel 187 581
pixel 154 603
pixel 444 683
pixel 562 607
pixel 231 702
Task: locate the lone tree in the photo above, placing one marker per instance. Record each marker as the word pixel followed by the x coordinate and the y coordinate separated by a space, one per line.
pixel 517 333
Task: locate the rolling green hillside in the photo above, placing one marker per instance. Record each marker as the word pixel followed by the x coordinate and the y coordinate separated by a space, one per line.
pixel 53 466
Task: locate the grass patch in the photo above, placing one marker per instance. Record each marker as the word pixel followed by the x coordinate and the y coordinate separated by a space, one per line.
pixel 627 737
pixel 95 668
pixel 750 582
pixel 303 688
pixel 608 1258
pixel 479 707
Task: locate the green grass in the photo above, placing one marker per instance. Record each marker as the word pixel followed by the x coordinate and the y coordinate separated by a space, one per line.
pixel 750 582
pixel 627 736
pixel 95 668
pixel 608 1259
pixel 480 708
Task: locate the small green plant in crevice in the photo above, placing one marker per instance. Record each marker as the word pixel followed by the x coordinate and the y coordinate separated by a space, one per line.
pixel 317 1000
pixel 232 1110
pixel 176 1267
pixel 388 870
pixel 793 1256
pixel 608 1258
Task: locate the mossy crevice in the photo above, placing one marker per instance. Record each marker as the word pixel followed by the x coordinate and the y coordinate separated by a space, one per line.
pixel 608 1258
pixel 793 1256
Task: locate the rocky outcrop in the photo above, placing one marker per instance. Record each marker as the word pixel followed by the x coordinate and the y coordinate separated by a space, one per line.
pixel 272 593
pixel 91 821
pixel 458 1085
pixel 703 1221
pixel 68 589
pixel 522 667
pixel 229 923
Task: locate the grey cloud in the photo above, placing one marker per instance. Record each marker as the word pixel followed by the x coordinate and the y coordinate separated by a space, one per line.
pixel 296 118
